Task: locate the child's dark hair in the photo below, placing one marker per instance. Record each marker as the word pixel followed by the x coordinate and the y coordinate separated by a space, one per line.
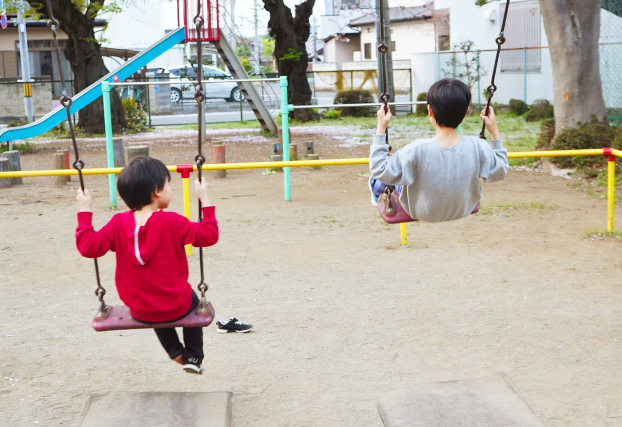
pixel 449 100
pixel 138 181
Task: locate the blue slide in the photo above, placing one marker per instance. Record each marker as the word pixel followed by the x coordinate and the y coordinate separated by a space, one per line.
pixel 94 91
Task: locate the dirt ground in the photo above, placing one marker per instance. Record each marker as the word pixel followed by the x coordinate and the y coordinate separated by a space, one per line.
pixel 342 313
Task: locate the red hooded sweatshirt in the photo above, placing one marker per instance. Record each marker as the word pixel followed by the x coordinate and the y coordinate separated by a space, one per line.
pixel 152 270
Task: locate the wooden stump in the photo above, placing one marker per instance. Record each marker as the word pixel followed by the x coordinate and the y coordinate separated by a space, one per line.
pixel 314 157
pixel 4 167
pixel 14 164
pixel 293 152
pixel 59 163
pixel 118 152
pixel 64 152
pixel 276 158
pixel 281 136
pixel 135 151
pixel 275 148
pixel 310 148
pixel 218 157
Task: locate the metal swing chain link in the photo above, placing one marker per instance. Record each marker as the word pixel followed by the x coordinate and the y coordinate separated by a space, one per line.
pixel 383 49
pixel 493 88
pixel 200 158
pixel 78 164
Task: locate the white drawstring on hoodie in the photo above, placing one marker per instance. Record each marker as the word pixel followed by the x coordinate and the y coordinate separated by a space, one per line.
pixel 136 249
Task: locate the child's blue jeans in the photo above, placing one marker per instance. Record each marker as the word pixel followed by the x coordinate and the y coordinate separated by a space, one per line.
pixel 377 187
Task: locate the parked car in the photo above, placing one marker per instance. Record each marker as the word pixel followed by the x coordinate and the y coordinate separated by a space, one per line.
pixel 179 91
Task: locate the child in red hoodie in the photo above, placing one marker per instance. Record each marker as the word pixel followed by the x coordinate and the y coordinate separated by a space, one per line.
pixel 152 269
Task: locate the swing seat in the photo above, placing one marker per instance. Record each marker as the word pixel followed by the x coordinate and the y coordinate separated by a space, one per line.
pixel 117 317
pixel 392 211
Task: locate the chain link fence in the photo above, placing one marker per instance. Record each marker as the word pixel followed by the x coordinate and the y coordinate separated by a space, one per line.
pixel 326 84
pixel 610 50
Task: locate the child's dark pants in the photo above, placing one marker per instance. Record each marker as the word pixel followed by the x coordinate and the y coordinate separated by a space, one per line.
pixel 193 337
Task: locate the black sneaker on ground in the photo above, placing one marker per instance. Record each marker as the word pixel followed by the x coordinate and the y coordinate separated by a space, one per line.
pixel 232 325
pixel 193 366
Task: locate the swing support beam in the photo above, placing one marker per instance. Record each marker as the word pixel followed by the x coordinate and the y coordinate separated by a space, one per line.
pixel 185 170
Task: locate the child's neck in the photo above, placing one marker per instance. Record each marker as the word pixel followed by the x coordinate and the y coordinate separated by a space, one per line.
pixel 446 136
pixel 143 214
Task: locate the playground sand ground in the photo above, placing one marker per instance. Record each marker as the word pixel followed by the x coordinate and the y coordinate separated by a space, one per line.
pixel 342 313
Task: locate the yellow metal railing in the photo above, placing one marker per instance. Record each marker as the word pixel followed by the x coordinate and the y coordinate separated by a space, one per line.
pixel 610 153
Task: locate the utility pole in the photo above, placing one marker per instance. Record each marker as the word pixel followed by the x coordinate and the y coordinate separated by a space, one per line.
pixel 25 63
pixel 233 41
pixel 388 56
pixel 257 57
pixel 315 39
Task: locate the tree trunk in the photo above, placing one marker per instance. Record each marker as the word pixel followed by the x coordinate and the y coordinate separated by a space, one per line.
pixel 83 53
pixel 573 29
pixel 290 33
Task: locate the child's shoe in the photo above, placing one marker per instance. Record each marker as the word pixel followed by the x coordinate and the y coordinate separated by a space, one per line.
pixel 370 183
pixel 232 325
pixel 193 366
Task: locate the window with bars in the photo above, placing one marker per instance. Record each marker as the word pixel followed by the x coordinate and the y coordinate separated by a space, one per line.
pixel 522 32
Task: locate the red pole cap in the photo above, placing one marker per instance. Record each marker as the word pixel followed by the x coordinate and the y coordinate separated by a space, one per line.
pixel 185 170
pixel 610 157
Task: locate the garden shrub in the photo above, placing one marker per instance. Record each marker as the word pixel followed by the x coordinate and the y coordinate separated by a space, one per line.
pixel 13 123
pixel 134 116
pixel 546 135
pixel 589 135
pixel 422 109
pixel 540 109
pixel 518 107
pixel 357 96
pixel 332 114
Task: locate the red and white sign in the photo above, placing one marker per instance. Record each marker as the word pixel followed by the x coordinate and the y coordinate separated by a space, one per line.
pixel 115 78
pixel 3 22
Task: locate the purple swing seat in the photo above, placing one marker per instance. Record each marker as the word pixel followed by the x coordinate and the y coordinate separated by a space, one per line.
pixel 117 317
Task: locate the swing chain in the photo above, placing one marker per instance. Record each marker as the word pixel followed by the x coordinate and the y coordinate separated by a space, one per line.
pixel 199 96
pixel 78 164
pixel 493 88
pixel 383 49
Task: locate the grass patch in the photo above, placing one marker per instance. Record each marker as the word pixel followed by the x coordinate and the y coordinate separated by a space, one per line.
pixel 24 148
pixel 598 233
pixel 512 206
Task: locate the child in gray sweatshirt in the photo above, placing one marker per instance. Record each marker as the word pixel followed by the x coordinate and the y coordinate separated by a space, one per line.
pixel 438 178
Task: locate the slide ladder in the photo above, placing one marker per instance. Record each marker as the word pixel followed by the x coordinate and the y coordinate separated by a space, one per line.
pixel 248 90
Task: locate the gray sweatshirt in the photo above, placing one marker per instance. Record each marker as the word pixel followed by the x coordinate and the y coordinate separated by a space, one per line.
pixel 441 184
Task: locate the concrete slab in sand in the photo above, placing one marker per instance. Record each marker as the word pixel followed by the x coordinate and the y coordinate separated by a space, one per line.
pixel 483 402
pixel 158 410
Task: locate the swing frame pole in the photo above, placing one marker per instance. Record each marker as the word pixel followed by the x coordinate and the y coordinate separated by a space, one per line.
pixel 285 110
pixel 185 170
pixel 611 187
pixel 109 148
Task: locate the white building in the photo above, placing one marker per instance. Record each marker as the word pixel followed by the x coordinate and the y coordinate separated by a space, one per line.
pixel 525 70
pixel 138 26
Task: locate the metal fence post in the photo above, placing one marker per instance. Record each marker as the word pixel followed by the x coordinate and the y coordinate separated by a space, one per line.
pixel 525 74
pixel 109 146
pixel 479 87
pixel 241 107
pixel 149 104
pixel 285 109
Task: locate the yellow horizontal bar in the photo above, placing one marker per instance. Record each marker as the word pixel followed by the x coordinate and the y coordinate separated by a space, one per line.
pixel 228 166
pixel 556 153
pixel 293 164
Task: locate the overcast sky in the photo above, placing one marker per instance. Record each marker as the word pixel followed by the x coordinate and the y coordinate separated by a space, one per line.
pixel 244 14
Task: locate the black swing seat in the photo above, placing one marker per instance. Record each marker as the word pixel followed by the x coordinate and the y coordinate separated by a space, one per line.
pixel 117 317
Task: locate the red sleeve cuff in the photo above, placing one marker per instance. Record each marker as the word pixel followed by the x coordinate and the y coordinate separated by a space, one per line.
pixel 85 218
pixel 209 212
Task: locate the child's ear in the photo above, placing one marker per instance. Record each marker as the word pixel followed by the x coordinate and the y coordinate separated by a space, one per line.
pixel 430 112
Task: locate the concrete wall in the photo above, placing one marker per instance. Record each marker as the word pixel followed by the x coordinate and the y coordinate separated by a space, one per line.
pixel 12 98
pixel 409 37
